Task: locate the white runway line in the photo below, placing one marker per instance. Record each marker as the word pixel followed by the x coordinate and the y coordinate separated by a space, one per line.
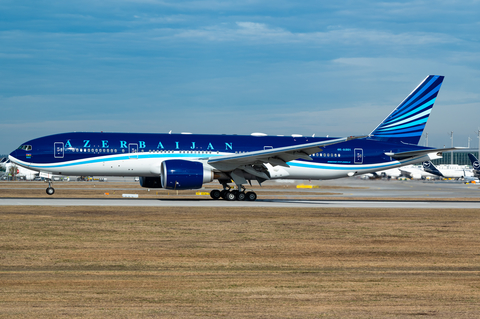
pixel 223 203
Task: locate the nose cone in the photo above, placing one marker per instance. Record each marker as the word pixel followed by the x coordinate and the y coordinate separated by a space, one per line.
pixel 13 154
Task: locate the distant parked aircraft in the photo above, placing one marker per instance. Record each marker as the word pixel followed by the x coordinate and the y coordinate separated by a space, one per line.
pixel 415 172
pixel 429 167
pixel 21 172
pixel 475 164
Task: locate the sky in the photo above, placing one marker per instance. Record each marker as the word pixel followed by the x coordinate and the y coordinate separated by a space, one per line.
pixel 334 68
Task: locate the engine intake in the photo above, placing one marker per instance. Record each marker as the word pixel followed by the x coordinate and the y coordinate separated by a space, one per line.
pixel 150 182
pixel 181 174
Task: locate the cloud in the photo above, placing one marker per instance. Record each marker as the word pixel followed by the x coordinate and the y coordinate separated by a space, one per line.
pixel 275 66
pixel 248 32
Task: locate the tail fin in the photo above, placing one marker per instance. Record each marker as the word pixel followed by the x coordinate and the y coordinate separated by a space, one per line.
pixel 432 169
pixel 475 164
pixel 406 123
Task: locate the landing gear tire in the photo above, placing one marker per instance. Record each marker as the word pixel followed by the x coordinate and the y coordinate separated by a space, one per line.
pixel 50 190
pixel 215 194
pixel 241 196
pixel 251 196
pixel 230 196
pixel 223 194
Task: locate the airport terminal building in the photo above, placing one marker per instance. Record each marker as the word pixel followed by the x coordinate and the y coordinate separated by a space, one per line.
pixel 460 157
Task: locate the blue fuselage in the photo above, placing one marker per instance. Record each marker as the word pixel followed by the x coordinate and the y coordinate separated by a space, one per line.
pixel 140 154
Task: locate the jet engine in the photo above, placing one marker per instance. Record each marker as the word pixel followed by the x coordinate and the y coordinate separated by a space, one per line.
pixel 182 174
pixel 150 182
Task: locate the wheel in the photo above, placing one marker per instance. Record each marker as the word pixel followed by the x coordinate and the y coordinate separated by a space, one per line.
pixel 241 196
pixel 50 190
pixel 251 196
pixel 215 194
pixel 223 194
pixel 230 196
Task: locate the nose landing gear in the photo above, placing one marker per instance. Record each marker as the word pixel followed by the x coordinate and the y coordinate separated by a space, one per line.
pixel 50 190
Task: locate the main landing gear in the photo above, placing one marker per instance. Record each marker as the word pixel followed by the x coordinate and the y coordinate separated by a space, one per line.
pixel 50 190
pixel 228 194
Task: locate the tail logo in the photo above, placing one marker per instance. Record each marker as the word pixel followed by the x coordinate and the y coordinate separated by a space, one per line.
pixel 476 165
pixel 426 164
pixel 406 123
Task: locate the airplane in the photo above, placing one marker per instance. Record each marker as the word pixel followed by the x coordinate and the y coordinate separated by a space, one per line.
pixel 475 164
pixel 3 161
pixel 187 161
pixel 21 172
pixel 414 172
pixel 476 169
pixel 429 167
pixel 390 173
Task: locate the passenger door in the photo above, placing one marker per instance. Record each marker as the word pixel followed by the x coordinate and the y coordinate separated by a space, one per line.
pixel 358 156
pixel 58 150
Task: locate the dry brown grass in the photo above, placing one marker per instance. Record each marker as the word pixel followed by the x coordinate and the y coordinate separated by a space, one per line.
pixel 122 262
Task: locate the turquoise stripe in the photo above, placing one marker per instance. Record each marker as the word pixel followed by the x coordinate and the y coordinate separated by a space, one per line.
pixel 116 158
pixel 421 108
pixel 411 124
pixel 420 92
pixel 349 168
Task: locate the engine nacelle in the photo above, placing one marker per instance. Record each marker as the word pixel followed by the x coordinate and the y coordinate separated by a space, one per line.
pixel 150 182
pixel 181 174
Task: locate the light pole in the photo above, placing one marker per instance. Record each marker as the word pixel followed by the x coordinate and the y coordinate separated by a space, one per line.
pixel 451 152
pixel 426 139
pixel 478 153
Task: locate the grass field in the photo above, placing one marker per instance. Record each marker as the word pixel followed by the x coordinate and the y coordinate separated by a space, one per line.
pixel 231 262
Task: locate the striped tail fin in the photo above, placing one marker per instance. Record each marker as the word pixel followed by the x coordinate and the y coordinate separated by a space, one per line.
pixel 475 164
pixel 406 123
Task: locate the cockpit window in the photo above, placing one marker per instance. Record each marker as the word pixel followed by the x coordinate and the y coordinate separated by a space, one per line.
pixel 25 147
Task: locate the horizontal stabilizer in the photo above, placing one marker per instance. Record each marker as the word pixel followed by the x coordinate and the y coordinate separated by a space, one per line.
pixel 438 151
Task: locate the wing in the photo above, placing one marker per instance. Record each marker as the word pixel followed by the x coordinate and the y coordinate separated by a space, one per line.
pixel 277 156
pixel 437 151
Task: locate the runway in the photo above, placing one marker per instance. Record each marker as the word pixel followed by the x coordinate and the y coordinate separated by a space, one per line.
pixel 347 193
pixel 223 203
